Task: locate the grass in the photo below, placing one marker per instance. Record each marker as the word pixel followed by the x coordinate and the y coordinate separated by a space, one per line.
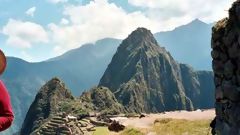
pixel 165 126
pixel 181 127
pixel 101 131
pixel 131 131
pixel 105 131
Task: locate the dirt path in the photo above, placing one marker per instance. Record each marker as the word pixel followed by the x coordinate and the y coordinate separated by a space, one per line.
pixel 149 119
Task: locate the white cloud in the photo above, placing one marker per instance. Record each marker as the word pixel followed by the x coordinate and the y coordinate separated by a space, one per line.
pixel 100 19
pixel 208 11
pixel 24 34
pixel 57 1
pixel 94 21
pixel 31 11
pixel 26 56
pixel 64 21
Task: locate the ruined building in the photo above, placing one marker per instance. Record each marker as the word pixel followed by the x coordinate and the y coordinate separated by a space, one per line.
pixel 226 67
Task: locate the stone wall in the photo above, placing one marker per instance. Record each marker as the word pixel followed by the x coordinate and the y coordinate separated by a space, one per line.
pixel 226 67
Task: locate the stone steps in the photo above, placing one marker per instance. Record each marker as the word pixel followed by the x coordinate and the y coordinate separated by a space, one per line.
pixel 52 127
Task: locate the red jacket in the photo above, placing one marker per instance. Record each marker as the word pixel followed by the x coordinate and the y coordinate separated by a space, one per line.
pixel 6 113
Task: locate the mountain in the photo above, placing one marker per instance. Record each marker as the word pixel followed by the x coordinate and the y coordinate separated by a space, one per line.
pixel 54 103
pixel 45 104
pixel 84 66
pixel 141 77
pixel 190 44
pixel 80 68
pixel 145 78
pixel 198 86
pixel 102 100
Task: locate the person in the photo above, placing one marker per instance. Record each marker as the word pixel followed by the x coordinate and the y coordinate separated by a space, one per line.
pixel 6 113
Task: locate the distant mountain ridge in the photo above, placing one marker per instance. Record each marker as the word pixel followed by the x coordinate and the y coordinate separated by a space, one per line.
pixel 189 44
pixel 83 68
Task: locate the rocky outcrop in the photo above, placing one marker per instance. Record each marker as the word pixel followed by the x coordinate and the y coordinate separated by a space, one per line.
pixel 45 104
pixel 226 66
pixel 145 78
pixel 102 100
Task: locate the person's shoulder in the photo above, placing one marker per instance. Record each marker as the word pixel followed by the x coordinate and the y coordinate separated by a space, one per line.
pixel 1 83
pixel 2 86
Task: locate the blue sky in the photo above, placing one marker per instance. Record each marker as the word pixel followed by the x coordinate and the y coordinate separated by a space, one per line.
pixel 36 30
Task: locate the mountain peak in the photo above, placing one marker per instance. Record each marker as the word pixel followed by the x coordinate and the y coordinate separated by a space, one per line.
pixel 141 30
pixel 46 103
pixel 55 85
pixel 139 37
pixel 197 22
pixel 141 33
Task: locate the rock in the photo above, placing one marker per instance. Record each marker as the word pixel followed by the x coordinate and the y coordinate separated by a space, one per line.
pixel 215 54
pixel 228 69
pixel 223 57
pixel 234 51
pixel 219 93
pixel 215 44
pixel 116 127
pixel 213 125
pixel 227 62
pixel 218 67
pixel 142 116
pixel 218 81
pixel 228 40
pixel 219 109
pixel 231 91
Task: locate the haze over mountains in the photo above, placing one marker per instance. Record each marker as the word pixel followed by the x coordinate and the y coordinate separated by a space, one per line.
pixel 82 68
pixel 189 44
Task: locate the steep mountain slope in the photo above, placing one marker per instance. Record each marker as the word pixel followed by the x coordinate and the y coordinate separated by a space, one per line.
pixel 46 103
pixel 198 86
pixel 145 78
pixel 102 100
pixel 189 44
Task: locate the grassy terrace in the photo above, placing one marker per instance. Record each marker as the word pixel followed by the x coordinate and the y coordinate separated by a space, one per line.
pixel 181 127
pixel 166 127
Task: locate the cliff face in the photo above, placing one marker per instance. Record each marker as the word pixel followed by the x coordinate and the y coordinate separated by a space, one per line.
pixel 145 78
pixel 198 86
pixel 46 103
pixel 226 66
pixel 102 100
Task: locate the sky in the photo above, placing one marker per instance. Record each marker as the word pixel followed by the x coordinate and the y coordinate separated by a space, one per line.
pixel 36 30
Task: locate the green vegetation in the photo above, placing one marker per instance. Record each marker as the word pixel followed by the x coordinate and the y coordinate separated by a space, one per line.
pixel 180 126
pixel 102 100
pixel 131 115
pixel 101 131
pixel 71 106
pixel 131 131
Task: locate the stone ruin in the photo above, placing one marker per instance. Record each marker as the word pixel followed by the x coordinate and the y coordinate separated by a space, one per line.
pixel 65 124
pixel 62 124
pixel 226 67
